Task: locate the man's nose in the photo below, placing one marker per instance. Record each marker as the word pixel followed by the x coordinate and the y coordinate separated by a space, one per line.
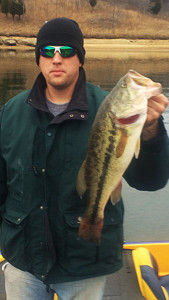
pixel 57 57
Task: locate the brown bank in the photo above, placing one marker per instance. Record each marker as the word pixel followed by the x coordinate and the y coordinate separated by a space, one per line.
pixel 103 48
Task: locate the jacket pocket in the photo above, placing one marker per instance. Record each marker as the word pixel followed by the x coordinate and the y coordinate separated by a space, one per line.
pixel 78 253
pixel 84 257
pixel 13 238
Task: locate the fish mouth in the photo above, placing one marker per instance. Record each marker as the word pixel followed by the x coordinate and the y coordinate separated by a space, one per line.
pixel 128 120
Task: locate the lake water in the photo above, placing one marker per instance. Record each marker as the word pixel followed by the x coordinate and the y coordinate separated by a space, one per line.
pixel 146 213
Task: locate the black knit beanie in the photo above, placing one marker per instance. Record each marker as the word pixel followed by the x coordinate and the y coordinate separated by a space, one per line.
pixel 60 32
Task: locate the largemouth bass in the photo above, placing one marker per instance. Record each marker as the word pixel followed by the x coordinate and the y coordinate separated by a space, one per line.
pixel 113 141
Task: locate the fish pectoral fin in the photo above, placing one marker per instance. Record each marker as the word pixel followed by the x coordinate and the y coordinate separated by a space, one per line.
pixel 121 144
pixel 81 183
pixel 137 148
pixel 116 194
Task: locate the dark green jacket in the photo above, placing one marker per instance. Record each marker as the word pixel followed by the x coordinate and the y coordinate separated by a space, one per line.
pixel 39 160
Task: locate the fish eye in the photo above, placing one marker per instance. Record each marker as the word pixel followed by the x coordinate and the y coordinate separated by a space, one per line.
pixel 123 85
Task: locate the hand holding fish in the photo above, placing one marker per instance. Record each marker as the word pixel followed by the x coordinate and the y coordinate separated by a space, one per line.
pixel 156 106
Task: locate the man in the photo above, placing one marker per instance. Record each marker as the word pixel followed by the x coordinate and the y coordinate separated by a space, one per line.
pixel 43 140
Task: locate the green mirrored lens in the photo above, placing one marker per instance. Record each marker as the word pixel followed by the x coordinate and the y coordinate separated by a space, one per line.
pixel 48 52
pixel 67 51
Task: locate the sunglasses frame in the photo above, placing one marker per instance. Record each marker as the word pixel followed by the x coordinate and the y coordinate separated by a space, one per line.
pixel 59 49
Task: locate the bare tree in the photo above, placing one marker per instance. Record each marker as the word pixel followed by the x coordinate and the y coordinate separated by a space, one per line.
pixel 155 6
pixel 5 7
pixel 93 2
pixel 77 3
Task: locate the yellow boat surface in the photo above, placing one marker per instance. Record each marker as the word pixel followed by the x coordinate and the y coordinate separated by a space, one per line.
pixel 160 250
pixel 1 258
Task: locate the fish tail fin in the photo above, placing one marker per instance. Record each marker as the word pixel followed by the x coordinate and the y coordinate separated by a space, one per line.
pixel 91 232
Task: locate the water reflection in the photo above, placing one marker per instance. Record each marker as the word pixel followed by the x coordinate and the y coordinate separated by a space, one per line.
pixel 11 84
pixel 104 73
pixel 146 216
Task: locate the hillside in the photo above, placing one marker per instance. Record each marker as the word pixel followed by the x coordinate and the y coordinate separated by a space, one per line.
pixel 108 19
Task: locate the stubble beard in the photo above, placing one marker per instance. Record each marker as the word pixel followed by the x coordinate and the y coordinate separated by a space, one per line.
pixel 65 84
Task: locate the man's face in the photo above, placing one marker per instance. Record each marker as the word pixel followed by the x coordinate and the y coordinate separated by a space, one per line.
pixel 60 72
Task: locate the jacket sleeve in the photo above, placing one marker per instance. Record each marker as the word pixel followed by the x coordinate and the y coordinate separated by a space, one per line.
pixel 150 171
pixel 3 177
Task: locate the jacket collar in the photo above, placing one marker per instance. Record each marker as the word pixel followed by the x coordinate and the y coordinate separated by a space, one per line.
pixel 77 107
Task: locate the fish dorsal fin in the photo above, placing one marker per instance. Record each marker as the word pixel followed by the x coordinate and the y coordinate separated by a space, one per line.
pixel 137 148
pixel 81 183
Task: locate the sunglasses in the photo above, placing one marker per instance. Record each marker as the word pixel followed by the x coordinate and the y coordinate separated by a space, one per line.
pixel 64 51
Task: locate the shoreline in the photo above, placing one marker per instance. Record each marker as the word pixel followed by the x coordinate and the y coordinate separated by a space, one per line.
pixel 102 48
pixel 127 48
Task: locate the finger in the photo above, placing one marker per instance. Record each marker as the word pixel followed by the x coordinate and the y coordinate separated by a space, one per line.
pixel 158 103
pixel 156 107
pixel 152 114
pixel 161 99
